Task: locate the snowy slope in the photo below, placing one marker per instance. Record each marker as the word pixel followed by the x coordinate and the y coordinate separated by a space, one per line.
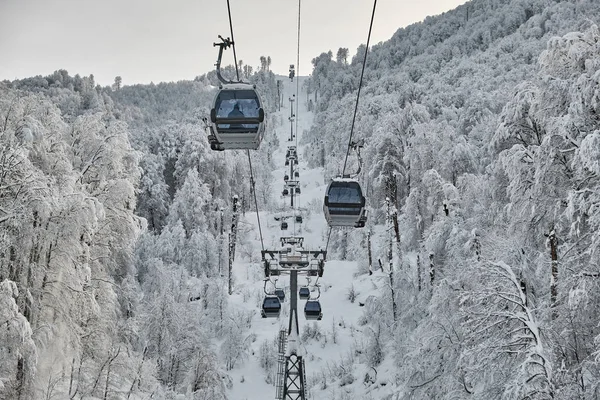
pixel 334 367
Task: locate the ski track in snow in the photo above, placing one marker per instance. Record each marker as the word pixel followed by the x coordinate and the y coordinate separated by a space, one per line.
pixel 248 377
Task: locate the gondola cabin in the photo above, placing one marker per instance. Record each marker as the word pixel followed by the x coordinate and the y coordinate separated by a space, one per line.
pixel 296 174
pixel 299 219
pixel 304 293
pixel 284 226
pixel 297 190
pixel 286 177
pixel 280 293
pixel 237 118
pixel 312 310
pixel 290 151
pixel 285 192
pixel 344 204
pixel 271 307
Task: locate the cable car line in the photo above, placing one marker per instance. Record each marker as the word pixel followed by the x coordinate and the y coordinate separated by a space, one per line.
pixel 237 72
pixel 297 103
pixel 328 237
pixel 345 203
pixel 298 73
pixel 237 118
pixel 253 188
pixel 252 181
pixel 359 86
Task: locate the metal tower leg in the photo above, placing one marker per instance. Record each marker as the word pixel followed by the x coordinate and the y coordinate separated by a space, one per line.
pixel 294 364
pixel 281 362
pixel 294 378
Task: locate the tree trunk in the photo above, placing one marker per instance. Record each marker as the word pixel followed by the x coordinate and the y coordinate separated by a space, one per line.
pixel 419 283
pixel 369 252
pixel 431 269
pixel 391 261
pixel 393 294
pixel 106 384
pixel 232 240
pixel 138 375
pixel 554 280
pixel 396 228
pixel 107 363
pixel 71 376
pixel 21 378
pixel 72 396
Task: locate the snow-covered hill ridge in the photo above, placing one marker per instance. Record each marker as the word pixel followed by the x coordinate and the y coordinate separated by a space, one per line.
pixel 481 127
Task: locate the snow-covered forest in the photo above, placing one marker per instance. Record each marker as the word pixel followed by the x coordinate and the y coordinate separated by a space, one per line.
pixel 482 174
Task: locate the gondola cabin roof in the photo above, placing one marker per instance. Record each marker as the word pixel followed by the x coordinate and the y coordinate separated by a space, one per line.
pixel 338 179
pixel 304 293
pixel 237 86
pixel 312 305
pixel 280 293
pixel 271 307
pixel 272 301
pixel 312 310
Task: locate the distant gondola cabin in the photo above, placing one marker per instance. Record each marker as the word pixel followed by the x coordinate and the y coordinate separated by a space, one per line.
pixel 271 307
pixel 312 310
pixel 304 293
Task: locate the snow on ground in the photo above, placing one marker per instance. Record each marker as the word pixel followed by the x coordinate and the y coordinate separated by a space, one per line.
pixel 331 342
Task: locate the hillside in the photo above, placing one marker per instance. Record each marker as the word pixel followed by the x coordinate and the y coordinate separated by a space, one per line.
pixel 481 127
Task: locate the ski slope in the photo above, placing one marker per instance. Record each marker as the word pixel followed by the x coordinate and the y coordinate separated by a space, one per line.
pixel 333 341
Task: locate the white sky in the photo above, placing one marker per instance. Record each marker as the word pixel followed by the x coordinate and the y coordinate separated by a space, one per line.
pixel 170 40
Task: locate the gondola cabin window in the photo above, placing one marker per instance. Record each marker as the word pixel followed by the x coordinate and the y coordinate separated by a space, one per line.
pixel 239 104
pixel 345 198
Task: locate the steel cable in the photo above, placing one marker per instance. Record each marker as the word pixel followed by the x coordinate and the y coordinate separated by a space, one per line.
pixel 359 87
pixel 237 72
pixel 253 188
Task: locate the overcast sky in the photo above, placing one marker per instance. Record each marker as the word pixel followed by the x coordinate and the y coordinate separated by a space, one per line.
pixel 170 40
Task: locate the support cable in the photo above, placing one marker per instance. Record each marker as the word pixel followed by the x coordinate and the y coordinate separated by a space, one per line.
pixel 237 72
pixel 328 237
pixel 298 75
pixel 253 188
pixel 252 182
pixel 359 87
pixel 362 73
pixel 297 206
